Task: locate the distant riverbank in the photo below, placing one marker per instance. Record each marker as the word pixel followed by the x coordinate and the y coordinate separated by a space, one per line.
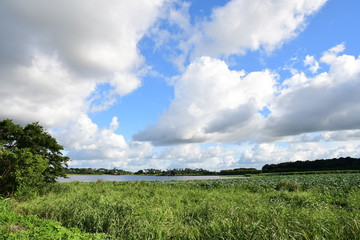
pixel 126 178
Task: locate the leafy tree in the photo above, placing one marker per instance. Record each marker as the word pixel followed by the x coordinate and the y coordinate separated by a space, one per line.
pixel 29 157
pixel 21 171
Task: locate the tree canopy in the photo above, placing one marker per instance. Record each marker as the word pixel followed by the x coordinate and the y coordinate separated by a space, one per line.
pixel 341 163
pixel 29 157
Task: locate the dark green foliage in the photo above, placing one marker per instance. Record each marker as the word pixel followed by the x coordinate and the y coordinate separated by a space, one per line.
pixel 177 172
pixel 97 171
pixel 239 171
pixel 347 163
pixel 186 172
pixel 21 171
pixel 29 157
pixel 150 171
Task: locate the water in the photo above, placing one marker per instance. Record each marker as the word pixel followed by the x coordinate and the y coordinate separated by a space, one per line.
pixel 124 178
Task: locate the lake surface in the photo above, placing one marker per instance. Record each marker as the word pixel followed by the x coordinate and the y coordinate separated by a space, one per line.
pixel 125 178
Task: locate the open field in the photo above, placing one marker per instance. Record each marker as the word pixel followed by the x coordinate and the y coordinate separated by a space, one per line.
pixel 14 226
pixel 271 207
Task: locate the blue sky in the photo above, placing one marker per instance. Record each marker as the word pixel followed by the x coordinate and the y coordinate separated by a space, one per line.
pixel 198 84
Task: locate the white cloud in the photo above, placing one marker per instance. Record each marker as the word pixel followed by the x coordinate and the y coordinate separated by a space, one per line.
pixel 89 36
pixel 53 54
pixel 44 91
pixel 213 103
pixel 328 101
pixel 197 156
pixel 243 25
pixel 312 63
pixel 85 141
pixel 331 54
pixel 269 153
pixel 192 156
pixel 53 57
pixel 235 28
pixel 125 83
pixel 347 135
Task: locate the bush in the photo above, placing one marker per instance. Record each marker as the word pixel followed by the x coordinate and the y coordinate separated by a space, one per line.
pixel 21 172
pixel 29 158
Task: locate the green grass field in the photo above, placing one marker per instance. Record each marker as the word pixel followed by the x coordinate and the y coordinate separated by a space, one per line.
pixel 271 207
pixel 16 227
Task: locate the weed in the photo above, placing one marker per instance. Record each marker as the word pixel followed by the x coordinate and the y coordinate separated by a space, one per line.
pixel 270 207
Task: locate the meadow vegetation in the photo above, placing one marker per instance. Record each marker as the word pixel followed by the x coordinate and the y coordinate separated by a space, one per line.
pixel 14 226
pixel 269 207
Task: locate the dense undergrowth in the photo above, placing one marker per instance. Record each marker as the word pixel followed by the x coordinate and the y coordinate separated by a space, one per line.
pixel 272 207
pixel 16 227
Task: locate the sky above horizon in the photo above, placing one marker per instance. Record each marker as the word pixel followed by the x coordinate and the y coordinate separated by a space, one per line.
pixel 164 84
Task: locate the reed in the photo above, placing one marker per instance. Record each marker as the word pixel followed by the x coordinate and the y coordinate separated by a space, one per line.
pixel 277 207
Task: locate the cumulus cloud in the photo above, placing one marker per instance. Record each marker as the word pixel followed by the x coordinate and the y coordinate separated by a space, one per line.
pixel 197 156
pixel 53 54
pixel 103 147
pixel 328 101
pixel 86 141
pixel 268 153
pixel 312 63
pixel 192 155
pixel 88 36
pixel 243 25
pixel 235 28
pixel 42 91
pixel 212 103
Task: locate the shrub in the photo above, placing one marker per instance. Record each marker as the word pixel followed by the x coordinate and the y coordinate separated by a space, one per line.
pixel 21 172
pixel 29 158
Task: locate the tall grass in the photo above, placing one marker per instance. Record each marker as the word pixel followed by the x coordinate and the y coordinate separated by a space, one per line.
pixel 16 227
pixel 281 207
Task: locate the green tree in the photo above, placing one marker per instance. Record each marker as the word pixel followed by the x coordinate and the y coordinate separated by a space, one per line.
pixel 29 157
pixel 21 171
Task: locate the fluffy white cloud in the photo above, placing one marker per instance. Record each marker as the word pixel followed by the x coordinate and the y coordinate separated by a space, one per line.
pixel 312 63
pixel 213 103
pixel 90 145
pixel 53 54
pixel 181 156
pixel 329 101
pixel 42 91
pixel 268 153
pixel 235 28
pixel 85 140
pixel 197 156
pixel 243 25
pixel 89 36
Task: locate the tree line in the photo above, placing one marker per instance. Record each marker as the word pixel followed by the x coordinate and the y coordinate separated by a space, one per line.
pixel 341 163
pixel 168 172
pixel 97 171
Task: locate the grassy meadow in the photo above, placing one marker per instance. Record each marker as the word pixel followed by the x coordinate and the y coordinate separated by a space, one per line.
pixel 271 207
